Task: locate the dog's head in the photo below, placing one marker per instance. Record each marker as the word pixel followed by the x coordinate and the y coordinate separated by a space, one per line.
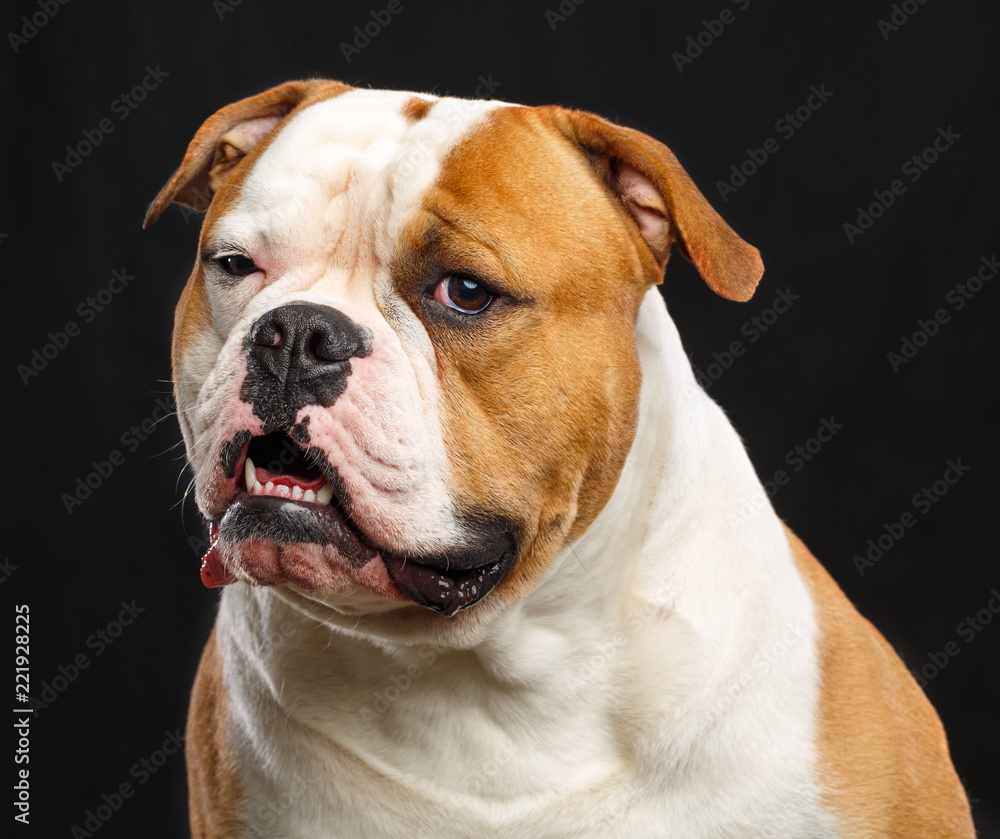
pixel 405 361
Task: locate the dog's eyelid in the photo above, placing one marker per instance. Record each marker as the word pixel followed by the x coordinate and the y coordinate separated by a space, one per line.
pixel 488 280
pixel 486 283
pixel 216 252
pixel 226 267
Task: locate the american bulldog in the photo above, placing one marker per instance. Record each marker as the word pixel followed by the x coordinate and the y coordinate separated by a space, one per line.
pixel 473 515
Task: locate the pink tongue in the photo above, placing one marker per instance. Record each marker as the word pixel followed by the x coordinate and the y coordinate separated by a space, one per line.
pixel 213 572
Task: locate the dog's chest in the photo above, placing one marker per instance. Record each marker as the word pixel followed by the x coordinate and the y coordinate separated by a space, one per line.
pixel 419 749
pixel 349 792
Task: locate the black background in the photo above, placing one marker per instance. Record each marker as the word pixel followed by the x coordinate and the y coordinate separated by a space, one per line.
pixel 825 357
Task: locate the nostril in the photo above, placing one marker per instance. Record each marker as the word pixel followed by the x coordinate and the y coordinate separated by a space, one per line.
pixel 266 334
pixel 299 354
pixel 311 336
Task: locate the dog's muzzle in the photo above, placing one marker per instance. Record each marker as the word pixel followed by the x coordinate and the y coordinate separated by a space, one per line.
pixel 300 355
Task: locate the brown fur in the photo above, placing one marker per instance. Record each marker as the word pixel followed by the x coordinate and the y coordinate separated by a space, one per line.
pixel 576 265
pixel 417 108
pixel 192 316
pixel 883 756
pixel 730 266
pixel 540 465
pixel 213 794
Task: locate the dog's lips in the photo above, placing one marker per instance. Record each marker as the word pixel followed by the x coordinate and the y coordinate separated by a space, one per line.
pixel 213 570
pixel 250 519
pixel 446 592
pixel 279 514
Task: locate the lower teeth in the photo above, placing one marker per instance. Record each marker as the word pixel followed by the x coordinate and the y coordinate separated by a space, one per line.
pixel 324 495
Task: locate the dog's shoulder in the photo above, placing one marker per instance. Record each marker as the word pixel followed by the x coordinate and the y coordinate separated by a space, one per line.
pixel 869 707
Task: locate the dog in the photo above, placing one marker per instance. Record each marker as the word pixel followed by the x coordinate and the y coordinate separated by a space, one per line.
pixel 475 518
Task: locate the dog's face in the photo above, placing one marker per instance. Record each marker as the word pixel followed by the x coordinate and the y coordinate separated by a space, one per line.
pixel 405 360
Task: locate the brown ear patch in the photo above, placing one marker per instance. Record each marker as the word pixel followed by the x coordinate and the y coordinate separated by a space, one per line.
pixel 665 203
pixel 228 136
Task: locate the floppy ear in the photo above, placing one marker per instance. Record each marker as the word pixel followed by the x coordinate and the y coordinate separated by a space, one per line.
pixel 666 205
pixel 228 136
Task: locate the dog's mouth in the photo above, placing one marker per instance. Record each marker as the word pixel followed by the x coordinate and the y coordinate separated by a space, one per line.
pixel 290 502
pixel 275 465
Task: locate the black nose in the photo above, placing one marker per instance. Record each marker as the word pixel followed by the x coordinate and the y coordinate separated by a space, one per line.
pixel 297 355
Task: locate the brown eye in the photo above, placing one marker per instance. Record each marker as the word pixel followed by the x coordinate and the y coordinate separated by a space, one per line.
pixel 237 265
pixel 464 294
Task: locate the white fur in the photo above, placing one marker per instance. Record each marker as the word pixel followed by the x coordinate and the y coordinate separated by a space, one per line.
pixel 661 680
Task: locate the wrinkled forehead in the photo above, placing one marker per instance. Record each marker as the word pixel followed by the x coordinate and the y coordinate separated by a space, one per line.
pixel 358 161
